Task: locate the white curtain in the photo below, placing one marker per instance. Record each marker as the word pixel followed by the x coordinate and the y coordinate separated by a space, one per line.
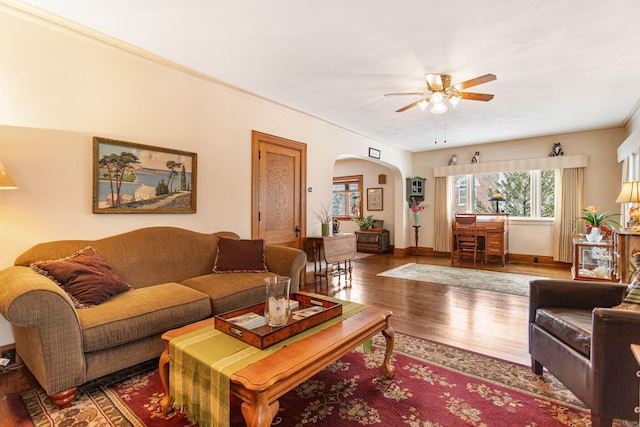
pixel 569 203
pixel 442 219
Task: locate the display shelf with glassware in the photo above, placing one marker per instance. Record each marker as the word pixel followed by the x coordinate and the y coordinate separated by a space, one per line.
pixel 625 244
pixel 592 260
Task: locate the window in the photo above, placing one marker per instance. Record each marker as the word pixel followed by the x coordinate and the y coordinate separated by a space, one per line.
pixel 528 194
pixel 461 185
pixel 347 197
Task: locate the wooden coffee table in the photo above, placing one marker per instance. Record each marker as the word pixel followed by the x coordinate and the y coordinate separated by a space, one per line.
pixel 260 384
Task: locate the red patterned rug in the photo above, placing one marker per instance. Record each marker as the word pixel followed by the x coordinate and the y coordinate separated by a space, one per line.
pixel 434 385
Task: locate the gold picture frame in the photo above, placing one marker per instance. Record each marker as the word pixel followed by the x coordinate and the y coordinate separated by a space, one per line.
pixel 142 179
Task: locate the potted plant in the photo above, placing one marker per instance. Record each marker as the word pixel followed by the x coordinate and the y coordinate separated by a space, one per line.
pixel 364 223
pixel 598 224
pixel 325 217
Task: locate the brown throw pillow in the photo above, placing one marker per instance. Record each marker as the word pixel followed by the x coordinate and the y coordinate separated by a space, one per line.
pixel 85 276
pixel 240 256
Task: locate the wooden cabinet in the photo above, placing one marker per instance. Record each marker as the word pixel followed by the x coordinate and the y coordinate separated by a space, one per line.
pixel 592 261
pixel 415 189
pixel 373 241
pixel 625 244
pixel 495 230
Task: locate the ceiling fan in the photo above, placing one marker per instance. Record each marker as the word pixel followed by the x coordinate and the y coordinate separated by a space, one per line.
pixel 440 88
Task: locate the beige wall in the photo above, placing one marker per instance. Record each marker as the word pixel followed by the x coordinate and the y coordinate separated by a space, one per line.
pixel 370 170
pixel 602 178
pixel 61 88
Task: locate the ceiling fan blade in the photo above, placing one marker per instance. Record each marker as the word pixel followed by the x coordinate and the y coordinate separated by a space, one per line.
pixel 475 82
pixel 406 107
pixel 476 96
pixel 434 81
pixel 404 93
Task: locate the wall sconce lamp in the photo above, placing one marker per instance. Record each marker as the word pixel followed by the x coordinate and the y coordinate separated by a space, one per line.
pixel 630 193
pixel 6 182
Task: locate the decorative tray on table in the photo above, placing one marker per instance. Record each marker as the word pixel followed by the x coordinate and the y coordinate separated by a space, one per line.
pixel 249 324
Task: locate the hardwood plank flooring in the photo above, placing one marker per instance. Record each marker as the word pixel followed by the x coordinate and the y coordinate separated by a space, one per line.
pixel 491 323
pixel 485 322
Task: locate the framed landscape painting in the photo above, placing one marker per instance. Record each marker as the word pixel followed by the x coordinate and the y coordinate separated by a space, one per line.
pixel 137 178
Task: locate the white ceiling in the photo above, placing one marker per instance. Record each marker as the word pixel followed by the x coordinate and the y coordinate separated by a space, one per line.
pixel 562 65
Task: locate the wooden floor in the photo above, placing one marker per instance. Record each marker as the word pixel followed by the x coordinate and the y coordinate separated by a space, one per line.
pixel 485 322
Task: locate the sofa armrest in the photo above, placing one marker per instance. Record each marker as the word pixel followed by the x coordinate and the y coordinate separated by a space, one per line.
pixel 286 262
pixel 46 328
pixel 613 365
pixel 573 294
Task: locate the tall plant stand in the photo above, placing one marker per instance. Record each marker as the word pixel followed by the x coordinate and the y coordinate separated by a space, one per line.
pixel 416 229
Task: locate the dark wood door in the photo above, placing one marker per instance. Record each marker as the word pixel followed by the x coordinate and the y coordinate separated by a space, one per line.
pixel 279 196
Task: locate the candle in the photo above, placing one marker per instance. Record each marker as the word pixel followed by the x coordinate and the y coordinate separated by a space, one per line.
pixel 278 313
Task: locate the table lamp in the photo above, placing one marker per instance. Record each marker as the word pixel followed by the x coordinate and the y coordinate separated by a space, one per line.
pixel 6 182
pixel 630 193
pixel 497 197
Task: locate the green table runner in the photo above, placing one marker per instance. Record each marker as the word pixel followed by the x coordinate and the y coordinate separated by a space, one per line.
pixel 202 362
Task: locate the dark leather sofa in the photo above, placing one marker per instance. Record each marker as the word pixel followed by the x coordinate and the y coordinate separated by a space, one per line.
pixel 584 343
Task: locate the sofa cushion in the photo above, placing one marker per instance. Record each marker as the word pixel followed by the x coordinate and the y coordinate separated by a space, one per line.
pixel 631 301
pixel 85 276
pixel 240 255
pixel 231 291
pixel 571 325
pixel 140 313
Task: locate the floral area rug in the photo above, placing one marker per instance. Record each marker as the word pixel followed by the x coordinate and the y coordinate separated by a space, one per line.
pixel 434 386
pixel 508 283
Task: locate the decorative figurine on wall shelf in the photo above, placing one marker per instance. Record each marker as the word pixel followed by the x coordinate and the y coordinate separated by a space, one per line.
pixel 453 160
pixel 476 157
pixel 556 150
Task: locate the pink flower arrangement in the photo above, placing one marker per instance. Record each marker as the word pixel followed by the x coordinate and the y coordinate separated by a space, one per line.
pixel 415 206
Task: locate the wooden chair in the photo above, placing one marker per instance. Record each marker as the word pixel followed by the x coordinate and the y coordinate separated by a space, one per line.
pixel 338 252
pixel 465 237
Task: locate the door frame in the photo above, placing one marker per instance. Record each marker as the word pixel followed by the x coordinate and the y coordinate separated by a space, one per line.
pixel 256 139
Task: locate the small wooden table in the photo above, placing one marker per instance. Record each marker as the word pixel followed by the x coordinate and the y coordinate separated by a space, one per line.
pixel 260 384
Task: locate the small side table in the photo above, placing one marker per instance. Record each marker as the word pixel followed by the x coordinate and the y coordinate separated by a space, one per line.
pixel 635 349
pixel 592 261
pixel 416 252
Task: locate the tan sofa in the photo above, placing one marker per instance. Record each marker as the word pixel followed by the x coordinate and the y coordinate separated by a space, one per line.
pixel 170 271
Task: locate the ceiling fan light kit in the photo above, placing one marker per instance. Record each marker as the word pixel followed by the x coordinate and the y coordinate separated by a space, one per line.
pixel 441 90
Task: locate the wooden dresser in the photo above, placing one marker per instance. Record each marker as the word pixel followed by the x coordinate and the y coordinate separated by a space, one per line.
pixel 373 241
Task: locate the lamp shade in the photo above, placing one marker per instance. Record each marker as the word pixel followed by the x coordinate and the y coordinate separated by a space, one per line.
pixel 6 182
pixel 630 192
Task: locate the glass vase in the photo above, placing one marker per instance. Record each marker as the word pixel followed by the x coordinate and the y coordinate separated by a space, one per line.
pixel 276 308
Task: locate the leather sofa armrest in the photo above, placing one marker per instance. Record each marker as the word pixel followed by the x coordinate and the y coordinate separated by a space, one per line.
pixel 46 327
pixel 286 262
pixel 573 294
pixel 613 331
pixel 613 365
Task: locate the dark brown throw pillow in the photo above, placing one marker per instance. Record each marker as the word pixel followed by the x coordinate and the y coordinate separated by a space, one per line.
pixel 240 256
pixel 85 276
